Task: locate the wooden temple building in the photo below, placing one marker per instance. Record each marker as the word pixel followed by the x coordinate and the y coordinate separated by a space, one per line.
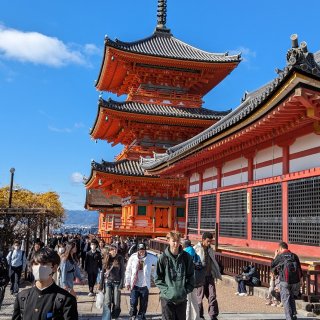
pixel 165 80
pixel 256 172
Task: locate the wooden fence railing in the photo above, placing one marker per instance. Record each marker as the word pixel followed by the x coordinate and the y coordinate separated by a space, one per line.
pixel 232 266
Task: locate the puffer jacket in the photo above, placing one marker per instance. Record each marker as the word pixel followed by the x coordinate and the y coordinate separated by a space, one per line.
pixel 175 276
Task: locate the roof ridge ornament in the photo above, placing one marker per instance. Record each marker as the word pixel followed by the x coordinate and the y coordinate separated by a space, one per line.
pixel 300 57
pixel 162 16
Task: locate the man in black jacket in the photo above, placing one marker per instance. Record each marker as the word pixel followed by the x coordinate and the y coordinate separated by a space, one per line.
pixel 93 265
pixel 290 272
pixel 45 300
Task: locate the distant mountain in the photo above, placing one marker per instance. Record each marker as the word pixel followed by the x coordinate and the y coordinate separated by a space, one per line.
pixel 81 217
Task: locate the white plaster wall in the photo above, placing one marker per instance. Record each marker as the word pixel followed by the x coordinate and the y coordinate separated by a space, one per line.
pixel 305 142
pixel 209 185
pixel 210 172
pixel 267 154
pixel 308 162
pixel 194 188
pixel 268 171
pixel 195 177
pixel 235 165
pixel 234 179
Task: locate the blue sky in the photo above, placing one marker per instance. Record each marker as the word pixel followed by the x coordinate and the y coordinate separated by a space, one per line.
pixel 51 52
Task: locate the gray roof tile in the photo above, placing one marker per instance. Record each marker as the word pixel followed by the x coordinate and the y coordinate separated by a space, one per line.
pixel 164 44
pixel 162 110
pixel 297 58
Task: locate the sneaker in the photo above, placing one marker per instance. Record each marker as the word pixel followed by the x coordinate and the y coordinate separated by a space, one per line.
pixel 90 294
pixel 236 293
pixel 280 305
pixel 268 303
pixel 274 304
pixel 243 294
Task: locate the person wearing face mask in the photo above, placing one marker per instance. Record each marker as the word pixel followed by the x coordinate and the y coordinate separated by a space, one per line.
pixel 112 280
pixel 45 300
pixel 93 264
pixel 137 279
pixel 17 262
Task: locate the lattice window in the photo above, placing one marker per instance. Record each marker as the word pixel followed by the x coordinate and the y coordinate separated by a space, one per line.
pixel 304 211
pixel 267 212
pixel 208 212
pixel 193 215
pixel 233 214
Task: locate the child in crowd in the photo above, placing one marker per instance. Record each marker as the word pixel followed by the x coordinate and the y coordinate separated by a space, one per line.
pixel 273 297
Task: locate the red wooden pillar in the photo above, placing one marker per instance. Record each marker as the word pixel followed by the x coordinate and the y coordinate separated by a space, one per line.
pixel 219 175
pixel 285 159
pixel 249 157
pixel 285 223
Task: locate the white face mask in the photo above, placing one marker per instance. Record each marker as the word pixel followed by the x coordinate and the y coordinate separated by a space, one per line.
pixel 93 247
pixel 61 250
pixel 41 273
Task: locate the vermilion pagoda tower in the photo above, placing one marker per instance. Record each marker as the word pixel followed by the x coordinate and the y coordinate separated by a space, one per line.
pixel 165 80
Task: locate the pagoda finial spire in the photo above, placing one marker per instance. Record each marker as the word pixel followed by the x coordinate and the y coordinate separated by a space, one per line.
pixel 162 14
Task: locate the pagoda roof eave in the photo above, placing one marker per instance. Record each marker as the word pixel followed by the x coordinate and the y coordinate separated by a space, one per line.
pixel 165 45
pixel 300 69
pixel 126 49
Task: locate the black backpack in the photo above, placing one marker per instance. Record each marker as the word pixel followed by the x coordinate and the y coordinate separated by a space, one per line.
pixel 291 270
pixel 4 272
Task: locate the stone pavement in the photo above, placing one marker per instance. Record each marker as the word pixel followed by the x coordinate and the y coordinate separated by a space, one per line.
pixel 231 307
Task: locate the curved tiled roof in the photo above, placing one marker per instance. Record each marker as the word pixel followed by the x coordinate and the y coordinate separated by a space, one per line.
pixel 163 110
pixel 122 167
pixel 297 58
pixel 163 44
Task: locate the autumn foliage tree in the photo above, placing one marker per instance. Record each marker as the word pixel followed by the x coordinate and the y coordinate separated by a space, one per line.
pixel 46 206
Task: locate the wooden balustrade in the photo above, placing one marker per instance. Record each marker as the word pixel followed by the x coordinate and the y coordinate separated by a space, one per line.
pixel 232 266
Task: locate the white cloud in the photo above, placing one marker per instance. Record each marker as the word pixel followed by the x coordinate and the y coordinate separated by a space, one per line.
pixel 77 125
pixel 246 53
pixel 77 177
pixel 92 49
pixel 60 130
pixel 38 48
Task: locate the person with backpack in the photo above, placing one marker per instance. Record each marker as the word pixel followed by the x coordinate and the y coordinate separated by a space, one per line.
pixel 211 272
pixel 174 278
pixel 290 273
pixel 111 282
pixel 137 279
pixel 17 263
pixel 4 276
pixel 45 300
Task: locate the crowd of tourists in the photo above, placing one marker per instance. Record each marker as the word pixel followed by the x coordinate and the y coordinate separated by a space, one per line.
pixel 184 275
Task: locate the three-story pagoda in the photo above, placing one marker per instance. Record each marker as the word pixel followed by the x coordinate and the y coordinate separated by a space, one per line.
pixel 165 80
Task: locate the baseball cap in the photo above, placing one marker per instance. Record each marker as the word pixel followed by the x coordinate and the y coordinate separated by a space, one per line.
pixel 141 246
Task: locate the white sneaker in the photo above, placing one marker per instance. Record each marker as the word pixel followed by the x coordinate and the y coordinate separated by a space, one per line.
pixel 236 293
pixel 90 294
pixel 243 294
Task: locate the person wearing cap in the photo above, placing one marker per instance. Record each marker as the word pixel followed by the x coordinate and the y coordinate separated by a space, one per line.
pixel 138 280
pixel 93 264
pixel 111 282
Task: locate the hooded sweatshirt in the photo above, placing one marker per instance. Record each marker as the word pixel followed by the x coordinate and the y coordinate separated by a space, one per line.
pixel 175 276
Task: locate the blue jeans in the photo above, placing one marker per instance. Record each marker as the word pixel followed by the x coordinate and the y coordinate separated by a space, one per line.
pixel 112 300
pixel 287 293
pixel 141 295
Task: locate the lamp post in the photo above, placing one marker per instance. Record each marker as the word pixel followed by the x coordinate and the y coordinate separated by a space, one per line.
pixel 12 170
